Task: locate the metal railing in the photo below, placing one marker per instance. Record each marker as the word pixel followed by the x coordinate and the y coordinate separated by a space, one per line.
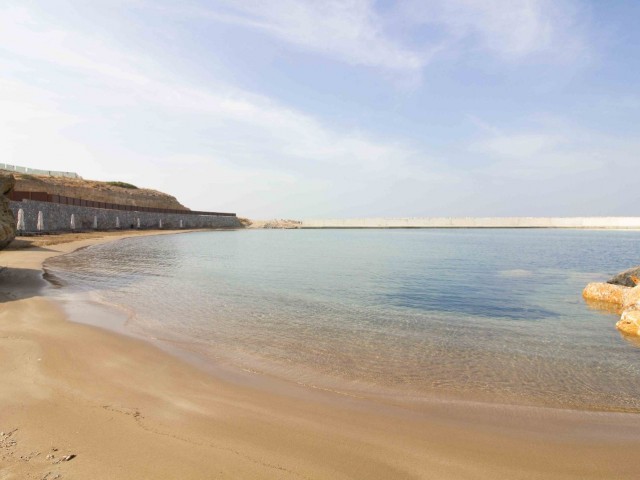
pixel 18 196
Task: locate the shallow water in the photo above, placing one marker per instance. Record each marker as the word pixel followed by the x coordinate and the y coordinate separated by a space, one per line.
pixel 488 315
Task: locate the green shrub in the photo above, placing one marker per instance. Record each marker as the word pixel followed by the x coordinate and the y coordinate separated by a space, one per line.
pixel 122 185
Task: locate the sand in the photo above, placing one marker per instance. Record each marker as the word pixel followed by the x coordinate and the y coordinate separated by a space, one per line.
pixel 127 410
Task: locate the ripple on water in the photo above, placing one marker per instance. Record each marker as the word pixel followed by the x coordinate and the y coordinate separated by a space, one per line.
pixel 491 315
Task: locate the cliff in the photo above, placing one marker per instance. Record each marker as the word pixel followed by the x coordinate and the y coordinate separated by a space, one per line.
pixel 7 220
pixel 96 191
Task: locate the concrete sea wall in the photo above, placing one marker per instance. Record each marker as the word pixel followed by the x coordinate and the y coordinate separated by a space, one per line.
pixel 478 222
pixel 57 218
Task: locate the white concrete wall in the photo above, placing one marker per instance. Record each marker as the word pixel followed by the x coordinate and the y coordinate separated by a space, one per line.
pixel 478 222
pixel 35 171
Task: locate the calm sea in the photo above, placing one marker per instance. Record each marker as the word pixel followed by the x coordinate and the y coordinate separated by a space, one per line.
pixel 487 315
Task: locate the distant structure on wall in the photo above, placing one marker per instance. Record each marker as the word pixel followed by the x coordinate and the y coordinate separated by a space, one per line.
pixel 35 171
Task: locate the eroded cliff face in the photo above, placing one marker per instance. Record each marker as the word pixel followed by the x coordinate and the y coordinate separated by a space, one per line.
pixel 7 220
pixel 96 191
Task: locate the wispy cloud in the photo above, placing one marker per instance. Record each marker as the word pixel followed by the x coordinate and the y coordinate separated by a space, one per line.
pixel 513 29
pixel 122 80
pixel 23 36
pixel 355 32
pixel 95 91
pixel 553 151
pixel 75 99
pixel 519 145
pixel 349 30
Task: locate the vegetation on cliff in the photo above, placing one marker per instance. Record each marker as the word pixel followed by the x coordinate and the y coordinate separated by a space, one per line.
pixel 122 185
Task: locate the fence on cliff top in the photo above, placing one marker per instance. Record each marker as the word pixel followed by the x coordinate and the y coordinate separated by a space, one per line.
pixel 35 171
pixel 18 196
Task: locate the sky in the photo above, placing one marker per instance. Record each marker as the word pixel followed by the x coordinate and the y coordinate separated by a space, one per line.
pixel 333 109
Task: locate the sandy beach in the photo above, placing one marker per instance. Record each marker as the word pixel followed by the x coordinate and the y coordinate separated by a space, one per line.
pixel 80 402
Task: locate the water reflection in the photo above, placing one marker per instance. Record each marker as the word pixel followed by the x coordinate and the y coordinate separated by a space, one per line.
pixel 492 315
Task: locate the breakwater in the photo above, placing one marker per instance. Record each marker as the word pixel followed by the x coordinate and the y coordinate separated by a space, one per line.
pixel 56 217
pixel 478 222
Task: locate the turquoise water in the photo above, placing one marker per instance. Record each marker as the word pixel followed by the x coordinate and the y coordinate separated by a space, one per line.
pixel 487 315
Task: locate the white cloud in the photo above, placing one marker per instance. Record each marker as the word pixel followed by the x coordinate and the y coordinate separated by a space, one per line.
pixel 510 28
pixel 520 145
pixel 32 130
pixel 105 114
pixel 554 152
pixel 356 32
pixel 121 83
pixel 350 30
pixel 24 36
pixel 71 101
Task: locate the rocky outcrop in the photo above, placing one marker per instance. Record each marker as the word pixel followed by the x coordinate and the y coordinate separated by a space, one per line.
pixel 626 278
pixel 277 223
pixel 7 220
pixel 624 298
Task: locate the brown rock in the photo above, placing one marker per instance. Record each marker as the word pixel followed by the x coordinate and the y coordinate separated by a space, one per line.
pixel 631 297
pixel 617 298
pixel 629 322
pixel 7 220
pixel 605 292
pixel 628 278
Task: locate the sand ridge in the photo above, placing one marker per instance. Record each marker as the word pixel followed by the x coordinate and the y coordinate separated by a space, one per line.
pixel 127 410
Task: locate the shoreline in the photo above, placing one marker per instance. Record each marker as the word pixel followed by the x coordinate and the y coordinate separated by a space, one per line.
pixel 101 396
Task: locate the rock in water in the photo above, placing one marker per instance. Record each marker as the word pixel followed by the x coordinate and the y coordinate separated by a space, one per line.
pixel 632 298
pixel 629 322
pixel 605 292
pixel 7 220
pixel 626 298
pixel 626 278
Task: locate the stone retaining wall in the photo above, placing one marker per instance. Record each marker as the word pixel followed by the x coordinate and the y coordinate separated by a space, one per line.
pixel 57 218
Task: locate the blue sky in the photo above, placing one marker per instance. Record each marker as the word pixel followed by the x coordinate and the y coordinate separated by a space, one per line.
pixel 354 108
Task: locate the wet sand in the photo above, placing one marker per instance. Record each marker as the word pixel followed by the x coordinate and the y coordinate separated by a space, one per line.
pixel 128 410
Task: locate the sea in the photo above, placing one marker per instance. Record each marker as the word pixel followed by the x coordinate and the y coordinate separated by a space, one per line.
pixel 403 315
